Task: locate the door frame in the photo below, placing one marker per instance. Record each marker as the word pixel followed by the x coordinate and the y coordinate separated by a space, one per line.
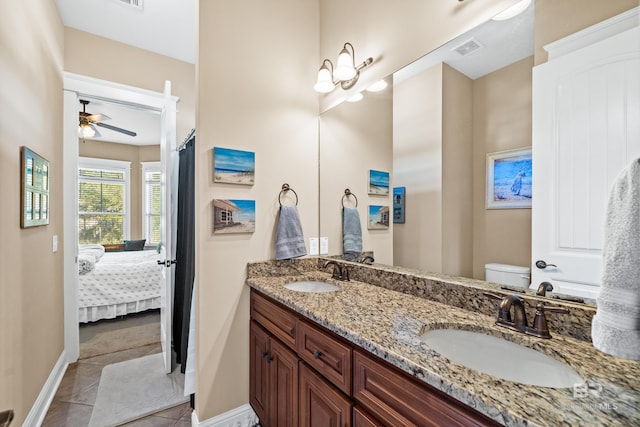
pixel 75 86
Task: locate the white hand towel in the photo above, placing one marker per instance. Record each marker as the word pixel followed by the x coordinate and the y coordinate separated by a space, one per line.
pixel 289 236
pixel 616 326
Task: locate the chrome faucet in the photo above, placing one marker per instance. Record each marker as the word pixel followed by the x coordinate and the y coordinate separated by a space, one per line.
pixel 339 272
pixel 518 322
pixel 543 288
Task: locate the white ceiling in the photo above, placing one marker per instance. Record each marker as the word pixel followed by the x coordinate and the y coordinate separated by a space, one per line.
pixel 166 27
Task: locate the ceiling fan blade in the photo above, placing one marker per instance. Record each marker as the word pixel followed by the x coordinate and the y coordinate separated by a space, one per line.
pixel 117 129
pixel 97 117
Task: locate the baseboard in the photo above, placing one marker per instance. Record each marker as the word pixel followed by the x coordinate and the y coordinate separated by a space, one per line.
pixel 242 416
pixel 38 411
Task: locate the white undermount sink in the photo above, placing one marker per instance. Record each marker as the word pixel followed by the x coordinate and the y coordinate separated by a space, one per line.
pixel 501 358
pixel 313 286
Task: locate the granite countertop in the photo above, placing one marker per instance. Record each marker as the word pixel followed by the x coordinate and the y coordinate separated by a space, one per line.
pixel 389 323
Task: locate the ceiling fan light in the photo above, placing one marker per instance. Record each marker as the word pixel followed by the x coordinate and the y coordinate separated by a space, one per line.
pixel 86 131
pixel 345 67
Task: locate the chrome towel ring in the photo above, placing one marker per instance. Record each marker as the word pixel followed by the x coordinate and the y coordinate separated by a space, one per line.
pixel 348 193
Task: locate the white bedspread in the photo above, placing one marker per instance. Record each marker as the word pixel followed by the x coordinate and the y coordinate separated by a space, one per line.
pixel 121 283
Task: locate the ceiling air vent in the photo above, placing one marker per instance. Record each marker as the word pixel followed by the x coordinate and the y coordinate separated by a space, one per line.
pixel 137 4
pixel 468 47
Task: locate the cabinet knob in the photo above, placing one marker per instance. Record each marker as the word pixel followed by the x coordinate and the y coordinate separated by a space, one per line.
pixel 317 354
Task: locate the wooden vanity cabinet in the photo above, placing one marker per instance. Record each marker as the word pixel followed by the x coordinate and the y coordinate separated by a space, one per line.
pixel 321 405
pixel 303 374
pixel 273 377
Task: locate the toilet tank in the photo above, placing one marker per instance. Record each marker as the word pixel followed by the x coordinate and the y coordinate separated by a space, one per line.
pixel 505 274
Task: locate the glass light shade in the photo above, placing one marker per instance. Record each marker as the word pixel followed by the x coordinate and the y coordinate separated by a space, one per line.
pixel 355 98
pixel 85 131
pixel 324 84
pixel 345 70
pixel 377 86
pixel 512 11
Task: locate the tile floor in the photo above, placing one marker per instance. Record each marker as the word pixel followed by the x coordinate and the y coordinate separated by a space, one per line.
pixel 73 402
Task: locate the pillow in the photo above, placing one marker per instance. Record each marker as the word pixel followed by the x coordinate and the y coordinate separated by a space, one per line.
pixel 134 245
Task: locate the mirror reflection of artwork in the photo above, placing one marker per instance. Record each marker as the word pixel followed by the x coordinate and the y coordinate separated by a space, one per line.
pixel 509 179
pixel 398 205
pixel 378 183
pixel 35 189
pixel 378 217
pixel 233 166
pixel 234 216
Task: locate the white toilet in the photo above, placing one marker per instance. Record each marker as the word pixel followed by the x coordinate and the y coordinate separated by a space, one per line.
pixel 505 274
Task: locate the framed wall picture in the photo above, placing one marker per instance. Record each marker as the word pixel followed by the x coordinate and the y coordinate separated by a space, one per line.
pixel 378 217
pixel 378 183
pixel 398 204
pixel 234 166
pixel 509 179
pixel 234 216
pixel 34 195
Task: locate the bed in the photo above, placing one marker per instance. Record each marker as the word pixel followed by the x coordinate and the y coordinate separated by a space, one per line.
pixel 117 283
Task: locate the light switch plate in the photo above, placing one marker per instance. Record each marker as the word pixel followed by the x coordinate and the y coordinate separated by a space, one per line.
pixel 313 246
pixel 54 243
pixel 324 246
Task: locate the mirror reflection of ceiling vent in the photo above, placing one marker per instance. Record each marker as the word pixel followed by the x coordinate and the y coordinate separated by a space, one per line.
pixel 133 3
pixel 468 47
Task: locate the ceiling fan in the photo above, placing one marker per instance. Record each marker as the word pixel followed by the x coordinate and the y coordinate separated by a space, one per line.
pixel 88 123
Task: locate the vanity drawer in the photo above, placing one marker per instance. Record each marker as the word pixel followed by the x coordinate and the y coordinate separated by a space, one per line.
pixel 396 399
pixel 329 356
pixel 277 320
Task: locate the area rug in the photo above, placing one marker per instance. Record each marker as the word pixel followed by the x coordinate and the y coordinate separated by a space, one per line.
pixel 134 389
pixel 113 336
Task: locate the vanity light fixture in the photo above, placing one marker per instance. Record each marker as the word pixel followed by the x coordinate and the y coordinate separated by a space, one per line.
pixel 512 11
pixel 345 74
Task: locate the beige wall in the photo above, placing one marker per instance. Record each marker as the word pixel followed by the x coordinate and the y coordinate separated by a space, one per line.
pixel 356 137
pixel 31 288
pixel 256 65
pixel 417 166
pixel 101 58
pixel 557 19
pixel 432 145
pixel 457 172
pixel 129 153
pixel 501 121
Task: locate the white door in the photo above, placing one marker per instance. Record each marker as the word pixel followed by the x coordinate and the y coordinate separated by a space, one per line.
pixel 586 128
pixel 168 145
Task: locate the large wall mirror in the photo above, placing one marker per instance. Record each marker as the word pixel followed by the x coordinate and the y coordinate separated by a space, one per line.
pixel 432 129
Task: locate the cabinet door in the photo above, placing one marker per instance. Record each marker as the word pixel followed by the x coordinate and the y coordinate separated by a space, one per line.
pixel 258 371
pixel 362 419
pixel 283 386
pixel 321 405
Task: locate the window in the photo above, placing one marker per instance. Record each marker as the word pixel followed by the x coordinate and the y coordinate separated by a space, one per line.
pixel 103 200
pixel 151 202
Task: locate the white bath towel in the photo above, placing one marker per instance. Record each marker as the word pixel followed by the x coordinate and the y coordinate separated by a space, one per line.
pixel 615 328
pixel 289 236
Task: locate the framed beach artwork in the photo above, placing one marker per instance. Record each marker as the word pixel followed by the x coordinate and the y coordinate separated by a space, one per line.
pixel 398 204
pixel 509 179
pixel 34 196
pixel 234 166
pixel 234 216
pixel 378 183
pixel 378 217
